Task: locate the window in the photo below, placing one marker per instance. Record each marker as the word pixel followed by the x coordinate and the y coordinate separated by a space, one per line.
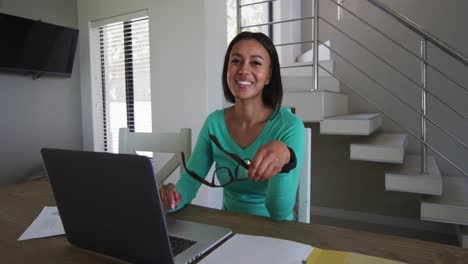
pixel 121 83
pixel 251 14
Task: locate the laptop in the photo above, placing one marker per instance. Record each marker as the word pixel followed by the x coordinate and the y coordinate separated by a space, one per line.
pixel 109 203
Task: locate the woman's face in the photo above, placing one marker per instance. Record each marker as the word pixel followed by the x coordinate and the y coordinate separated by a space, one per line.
pixel 248 70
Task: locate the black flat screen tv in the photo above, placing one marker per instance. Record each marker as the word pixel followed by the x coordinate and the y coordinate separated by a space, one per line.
pixel 35 47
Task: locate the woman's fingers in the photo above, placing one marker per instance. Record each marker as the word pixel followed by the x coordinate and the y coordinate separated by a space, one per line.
pixel 256 162
pixel 171 193
pixel 170 197
pixel 268 161
pixel 175 199
pixel 265 166
pixel 269 167
pixel 162 194
pixel 272 169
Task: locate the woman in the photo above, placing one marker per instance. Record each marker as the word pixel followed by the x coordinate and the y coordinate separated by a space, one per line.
pixel 254 128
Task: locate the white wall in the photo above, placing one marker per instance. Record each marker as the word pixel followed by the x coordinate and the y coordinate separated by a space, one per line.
pixel 187 44
pixel 38 113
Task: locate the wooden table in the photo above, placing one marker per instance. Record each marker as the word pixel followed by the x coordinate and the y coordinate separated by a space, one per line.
pixel 20 204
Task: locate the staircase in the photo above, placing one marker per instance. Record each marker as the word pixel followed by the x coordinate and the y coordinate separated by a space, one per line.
pixel 443 198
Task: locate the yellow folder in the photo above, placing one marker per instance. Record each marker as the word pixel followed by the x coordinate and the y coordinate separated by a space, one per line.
pixel 319 256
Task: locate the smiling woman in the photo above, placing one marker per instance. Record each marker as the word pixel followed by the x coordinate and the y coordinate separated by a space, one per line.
pixel 256 129
pixel 264 61
pixel 249 69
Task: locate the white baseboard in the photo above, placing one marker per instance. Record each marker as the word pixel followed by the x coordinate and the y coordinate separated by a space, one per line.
pixel 391 221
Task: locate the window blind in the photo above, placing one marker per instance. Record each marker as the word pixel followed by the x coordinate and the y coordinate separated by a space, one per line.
pixel 121 87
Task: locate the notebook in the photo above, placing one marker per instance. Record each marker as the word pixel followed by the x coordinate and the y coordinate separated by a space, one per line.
pixel 109 203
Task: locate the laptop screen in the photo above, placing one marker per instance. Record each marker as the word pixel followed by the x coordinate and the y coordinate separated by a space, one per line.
pixel 109 203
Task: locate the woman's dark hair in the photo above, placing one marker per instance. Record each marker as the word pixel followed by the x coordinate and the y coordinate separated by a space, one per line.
pixel 272 94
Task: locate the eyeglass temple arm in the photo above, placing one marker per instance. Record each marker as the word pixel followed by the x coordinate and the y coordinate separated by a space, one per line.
pixel 196 177
pixel 233 156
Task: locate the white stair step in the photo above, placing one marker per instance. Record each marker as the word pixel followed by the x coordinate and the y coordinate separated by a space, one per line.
pixel 356 124
pixel 462 234
pixel 382 147
pixel 451 206
pixel 409 179
pixel 300 79
pixel 314 106
pixel 324 53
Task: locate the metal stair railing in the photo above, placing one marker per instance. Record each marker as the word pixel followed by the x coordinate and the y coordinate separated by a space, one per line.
pixel 360 44
pixel 420 31
pixel 426 37
pixel 424 64
pixel 396 43
pixel 394 120
pixel 390 92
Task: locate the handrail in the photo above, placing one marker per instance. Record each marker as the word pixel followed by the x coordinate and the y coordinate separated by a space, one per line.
pixel 277 22
pixel 394 68
pixel 297 66
pixel 396 122
pixel 294 43
pixel 424 64
pixel 374 28
pixel 420 31
pixel 398 44
pixel 394 95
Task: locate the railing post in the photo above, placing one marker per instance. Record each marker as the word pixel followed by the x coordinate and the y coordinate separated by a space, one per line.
pixel 316 44
pixel 339 10
pixel 239 16
pixel 423 105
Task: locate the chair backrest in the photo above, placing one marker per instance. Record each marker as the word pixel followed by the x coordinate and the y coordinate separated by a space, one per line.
pixel 131 142
pixel 303 192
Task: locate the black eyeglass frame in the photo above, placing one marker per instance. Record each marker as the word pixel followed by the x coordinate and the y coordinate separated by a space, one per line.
pixel 232 177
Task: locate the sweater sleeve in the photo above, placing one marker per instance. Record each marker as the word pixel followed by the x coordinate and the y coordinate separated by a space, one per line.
pixel 200 162
pixel 282 188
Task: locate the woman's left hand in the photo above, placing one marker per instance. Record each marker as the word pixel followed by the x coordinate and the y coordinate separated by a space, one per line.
pixel 268 161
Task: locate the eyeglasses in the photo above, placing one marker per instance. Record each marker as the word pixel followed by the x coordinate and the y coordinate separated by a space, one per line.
pixel 222 176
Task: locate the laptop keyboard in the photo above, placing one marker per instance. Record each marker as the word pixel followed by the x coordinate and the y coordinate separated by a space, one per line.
pixel 179 244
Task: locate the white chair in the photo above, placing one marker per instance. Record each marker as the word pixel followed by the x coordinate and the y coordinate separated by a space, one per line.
pixel 303 192
pixel 131 142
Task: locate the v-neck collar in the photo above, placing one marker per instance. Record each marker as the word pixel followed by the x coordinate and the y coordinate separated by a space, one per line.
pixel 255 142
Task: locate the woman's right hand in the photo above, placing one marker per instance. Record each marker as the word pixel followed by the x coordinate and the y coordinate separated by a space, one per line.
pixel 170 197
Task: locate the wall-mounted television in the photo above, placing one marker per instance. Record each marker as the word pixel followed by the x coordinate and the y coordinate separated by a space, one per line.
pixel 35 47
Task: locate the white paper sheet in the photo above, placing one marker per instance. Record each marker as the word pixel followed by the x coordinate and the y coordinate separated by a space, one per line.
pixel 258 249
pixel 47 223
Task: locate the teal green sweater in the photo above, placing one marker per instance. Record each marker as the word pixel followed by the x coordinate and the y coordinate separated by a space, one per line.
pixel 273 198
